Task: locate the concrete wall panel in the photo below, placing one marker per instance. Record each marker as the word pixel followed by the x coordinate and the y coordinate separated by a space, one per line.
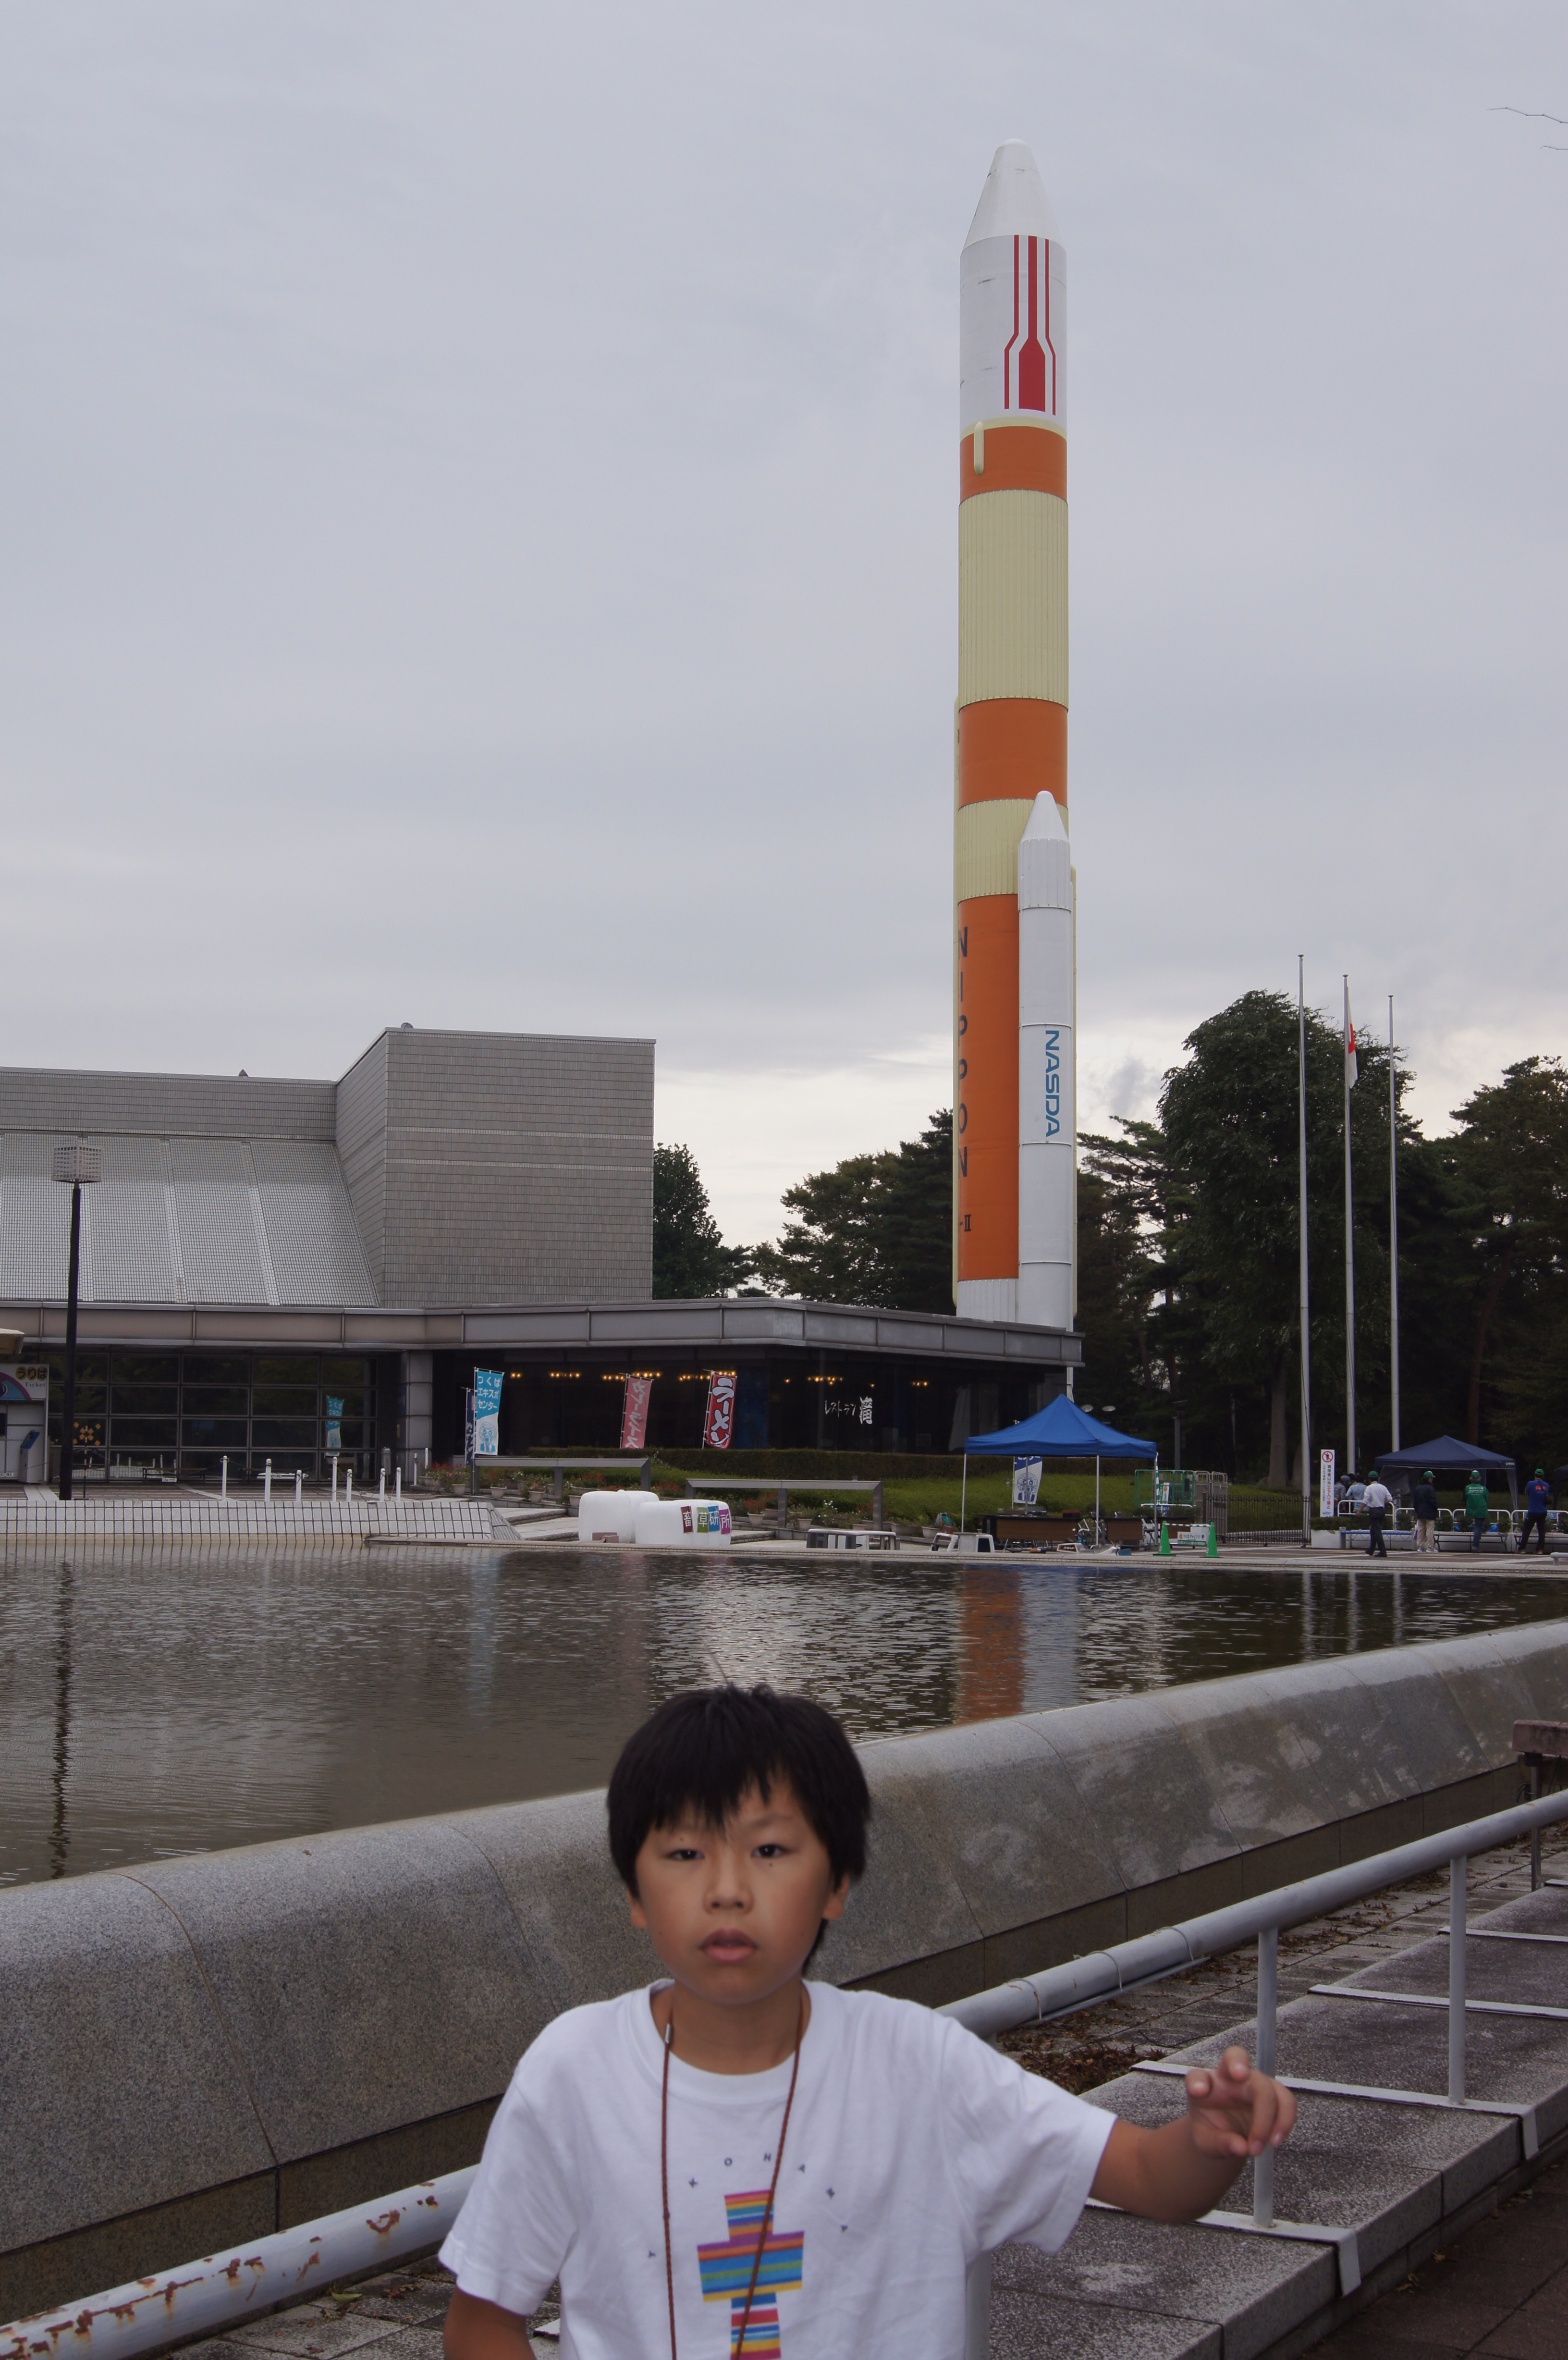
pixel 366 1978
pixel 552 1863
pixel 1141 1784
pixel 118 2086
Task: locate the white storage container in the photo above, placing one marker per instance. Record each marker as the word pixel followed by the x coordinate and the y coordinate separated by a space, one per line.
pixel 681 1524
pixel 608 1516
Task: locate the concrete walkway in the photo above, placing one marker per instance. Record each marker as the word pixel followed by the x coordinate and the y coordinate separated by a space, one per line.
pixel 1502 2289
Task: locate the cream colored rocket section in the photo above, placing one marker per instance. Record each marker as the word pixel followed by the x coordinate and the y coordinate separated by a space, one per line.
pixel 1012 596
pixel 1047 1131
pixel 985 846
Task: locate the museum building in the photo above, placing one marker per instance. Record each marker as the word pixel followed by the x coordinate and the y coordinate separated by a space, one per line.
pixel 271 1269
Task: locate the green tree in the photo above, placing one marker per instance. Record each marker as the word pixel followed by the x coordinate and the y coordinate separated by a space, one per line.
pixel 876 1228
pixel 1512 1154
pixel 1122 1186
pixel 1231 1121
pixel 690 1258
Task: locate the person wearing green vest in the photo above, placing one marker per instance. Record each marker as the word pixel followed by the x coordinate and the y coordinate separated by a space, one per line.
pixel 1477 1507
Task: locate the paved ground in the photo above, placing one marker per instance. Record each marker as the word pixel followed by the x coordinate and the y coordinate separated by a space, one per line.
pixel 1500 2289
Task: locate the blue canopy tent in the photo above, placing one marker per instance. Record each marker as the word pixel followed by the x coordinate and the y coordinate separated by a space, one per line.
pixel 1059 1430
pixel 1446 1455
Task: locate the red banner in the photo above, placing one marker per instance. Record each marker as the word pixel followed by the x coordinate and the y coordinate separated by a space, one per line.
pixel 633 1417
pixel 718 1423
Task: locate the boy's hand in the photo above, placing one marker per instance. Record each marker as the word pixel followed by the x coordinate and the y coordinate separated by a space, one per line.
pixel 1235 2110
pixel 1178 2171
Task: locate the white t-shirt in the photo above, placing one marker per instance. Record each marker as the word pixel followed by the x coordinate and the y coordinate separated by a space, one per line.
pixel 913 2148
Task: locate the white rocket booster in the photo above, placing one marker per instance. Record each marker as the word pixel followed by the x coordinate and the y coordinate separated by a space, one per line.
pixel 1047 1116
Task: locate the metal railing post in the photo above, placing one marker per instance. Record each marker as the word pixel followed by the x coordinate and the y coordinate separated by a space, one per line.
pixel 1458 1882
pixel 1535 1833
pixel 977 2310
pixel 1267 2056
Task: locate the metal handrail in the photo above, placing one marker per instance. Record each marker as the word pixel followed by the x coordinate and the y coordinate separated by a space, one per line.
pixel 1152 1958
pixel 218 2293
pixel 1149 1957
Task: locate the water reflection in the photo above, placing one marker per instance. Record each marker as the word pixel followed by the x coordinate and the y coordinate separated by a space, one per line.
pixel 156 1703
pixel 59 1840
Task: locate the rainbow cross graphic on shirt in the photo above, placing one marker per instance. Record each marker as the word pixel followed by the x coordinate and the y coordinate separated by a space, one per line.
pixel 726 2274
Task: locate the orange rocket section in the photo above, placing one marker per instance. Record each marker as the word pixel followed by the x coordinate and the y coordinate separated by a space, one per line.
pixel 986 1146
pixel 1011 746
pixel 1013 459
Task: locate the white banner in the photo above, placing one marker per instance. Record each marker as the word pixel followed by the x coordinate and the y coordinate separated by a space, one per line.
pixel 1026 1482
pixel 1326 1483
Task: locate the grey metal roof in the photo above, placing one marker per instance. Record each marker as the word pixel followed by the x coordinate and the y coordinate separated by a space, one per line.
pixel 716 1324
pixel 184 1220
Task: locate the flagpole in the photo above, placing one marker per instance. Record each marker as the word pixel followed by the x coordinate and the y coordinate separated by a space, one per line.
pixel 1306 1324
pixel 1349 1262
pixel 1393 1231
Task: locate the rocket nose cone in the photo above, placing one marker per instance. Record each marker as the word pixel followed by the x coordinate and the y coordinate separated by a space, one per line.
pixel 1044 822
pixel 1013 202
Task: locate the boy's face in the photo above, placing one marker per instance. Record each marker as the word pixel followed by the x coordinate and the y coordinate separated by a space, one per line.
pixel 733 1911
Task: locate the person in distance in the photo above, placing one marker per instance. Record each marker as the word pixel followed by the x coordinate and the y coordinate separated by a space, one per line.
pixel 735 2155
pixel 1536 1501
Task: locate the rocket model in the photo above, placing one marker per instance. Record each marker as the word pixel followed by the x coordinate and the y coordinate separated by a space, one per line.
pixel 1013 1199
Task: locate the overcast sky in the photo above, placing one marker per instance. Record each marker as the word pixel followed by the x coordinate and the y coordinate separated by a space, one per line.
pixel 479 542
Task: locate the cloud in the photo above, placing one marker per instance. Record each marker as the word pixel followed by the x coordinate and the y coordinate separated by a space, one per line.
pixel 480 540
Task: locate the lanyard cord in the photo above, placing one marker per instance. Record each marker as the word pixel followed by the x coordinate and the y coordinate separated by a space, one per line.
pixel 738 2347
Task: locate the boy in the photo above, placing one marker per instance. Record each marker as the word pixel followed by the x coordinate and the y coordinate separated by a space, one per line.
pixel 819 2166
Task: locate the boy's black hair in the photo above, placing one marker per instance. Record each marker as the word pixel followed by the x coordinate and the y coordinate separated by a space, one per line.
pixel 704 1748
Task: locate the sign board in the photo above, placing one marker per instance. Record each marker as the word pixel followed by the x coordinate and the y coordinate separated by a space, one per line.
pixel 487 1412
pixel 1326 1483
pixel 634 1416
pixel 718 1421
pixel 334 1422
pixel 23 1421
pixel 1026 1482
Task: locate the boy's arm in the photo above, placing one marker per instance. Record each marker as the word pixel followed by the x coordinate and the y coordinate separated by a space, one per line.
pixel 476 2329
pixel 1181 2170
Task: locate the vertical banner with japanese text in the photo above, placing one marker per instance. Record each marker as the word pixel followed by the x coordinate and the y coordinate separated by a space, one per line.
pixel 1326 1483
pixel 718 1422
pixel 487 1412
pixel 634 1416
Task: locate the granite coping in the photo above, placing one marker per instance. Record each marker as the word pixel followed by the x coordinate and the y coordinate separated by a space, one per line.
pixel 120 2084
pixel 364 1979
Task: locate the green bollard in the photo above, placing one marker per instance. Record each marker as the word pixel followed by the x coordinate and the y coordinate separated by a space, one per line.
pixel 1164 1535
pixel 1214 1538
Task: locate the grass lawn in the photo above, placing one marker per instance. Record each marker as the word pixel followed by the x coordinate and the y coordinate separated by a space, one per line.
pixel 920 1499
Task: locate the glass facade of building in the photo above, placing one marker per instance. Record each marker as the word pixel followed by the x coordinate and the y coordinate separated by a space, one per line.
pixel 187 1412
pixel 784 1400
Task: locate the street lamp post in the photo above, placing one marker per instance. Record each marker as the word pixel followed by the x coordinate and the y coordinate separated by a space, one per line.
pixel 76 1166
